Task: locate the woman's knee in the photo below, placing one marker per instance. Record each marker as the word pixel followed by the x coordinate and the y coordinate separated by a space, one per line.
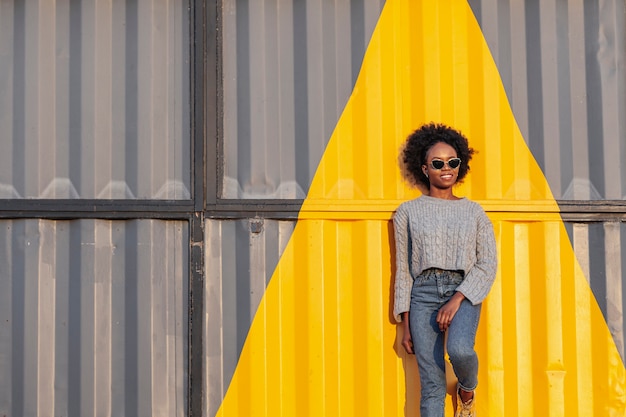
pixel 461 353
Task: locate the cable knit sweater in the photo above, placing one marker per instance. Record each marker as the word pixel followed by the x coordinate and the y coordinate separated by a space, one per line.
pixel 447 234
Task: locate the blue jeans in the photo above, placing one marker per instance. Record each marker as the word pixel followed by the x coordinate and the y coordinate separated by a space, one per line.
pixel 431 290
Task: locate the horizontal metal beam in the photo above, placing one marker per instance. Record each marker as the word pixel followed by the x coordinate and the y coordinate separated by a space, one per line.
pixel 598 210
pixel 592 206
pixel 586 217
pixel 593 211
pixel 270 209
pixel 108 209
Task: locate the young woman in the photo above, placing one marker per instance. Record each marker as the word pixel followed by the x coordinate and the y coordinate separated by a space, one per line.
pixel 446 263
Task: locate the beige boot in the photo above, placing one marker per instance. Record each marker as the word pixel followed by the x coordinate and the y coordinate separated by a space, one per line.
pixel 464 409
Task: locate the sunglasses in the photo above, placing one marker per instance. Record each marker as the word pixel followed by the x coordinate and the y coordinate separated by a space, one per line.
pixel 453 163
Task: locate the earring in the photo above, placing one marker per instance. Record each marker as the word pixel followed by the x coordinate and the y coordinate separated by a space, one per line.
pixel 426 173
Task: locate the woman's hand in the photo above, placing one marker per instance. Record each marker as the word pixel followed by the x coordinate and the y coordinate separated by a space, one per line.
pixel 407 342
pixel 448 310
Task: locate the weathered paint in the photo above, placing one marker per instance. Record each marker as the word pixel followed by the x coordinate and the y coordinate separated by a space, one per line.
pixel 323 342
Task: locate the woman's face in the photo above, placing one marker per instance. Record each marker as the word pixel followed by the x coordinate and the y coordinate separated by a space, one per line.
pixel 446 176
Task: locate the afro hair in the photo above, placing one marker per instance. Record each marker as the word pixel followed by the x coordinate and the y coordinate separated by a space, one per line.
pixel 418 143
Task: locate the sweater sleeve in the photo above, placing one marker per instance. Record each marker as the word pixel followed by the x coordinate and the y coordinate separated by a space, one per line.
pixel 479 279
pixel 403 280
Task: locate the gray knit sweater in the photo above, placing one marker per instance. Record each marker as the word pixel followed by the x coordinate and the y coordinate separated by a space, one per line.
pixel 447 234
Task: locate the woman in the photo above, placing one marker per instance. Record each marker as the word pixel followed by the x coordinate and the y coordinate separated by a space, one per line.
pixel 446 263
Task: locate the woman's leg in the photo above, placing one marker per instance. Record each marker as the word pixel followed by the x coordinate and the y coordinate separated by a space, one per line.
pixel 461 340
pixel 428 347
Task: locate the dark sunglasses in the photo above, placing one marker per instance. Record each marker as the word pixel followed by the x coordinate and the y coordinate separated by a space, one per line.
pixel 453 163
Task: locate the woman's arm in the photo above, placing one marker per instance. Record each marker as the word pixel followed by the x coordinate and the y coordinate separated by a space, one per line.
pixel 403 281
pixel 407 341
pixel 479 279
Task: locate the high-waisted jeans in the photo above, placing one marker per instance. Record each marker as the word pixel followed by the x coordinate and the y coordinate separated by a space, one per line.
pixel 431 290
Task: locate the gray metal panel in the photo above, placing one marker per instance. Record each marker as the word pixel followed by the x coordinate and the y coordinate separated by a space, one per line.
pixel 288 70
pixel 93 318
pixel 562 65
pixel 94 99
pixel 241 256
pixel 600 248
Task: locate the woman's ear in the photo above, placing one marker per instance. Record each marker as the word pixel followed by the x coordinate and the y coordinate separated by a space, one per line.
pixel 425 170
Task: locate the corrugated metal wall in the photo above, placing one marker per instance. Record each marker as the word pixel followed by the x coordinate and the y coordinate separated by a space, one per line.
pixel 93 318
pixel 241 256
pixel 94 99
pixel 288 70
pixel 563 67
pixel 560 64
pixel 94 104
pixel 325 343
pixel 600 248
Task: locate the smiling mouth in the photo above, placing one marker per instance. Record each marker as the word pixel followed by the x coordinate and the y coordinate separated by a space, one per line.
pixel 447 176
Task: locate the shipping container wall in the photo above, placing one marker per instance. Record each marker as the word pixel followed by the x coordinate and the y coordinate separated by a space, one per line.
pixel 600 248
pixel 241 256
pixel 322 341
pixel 94 105
pixel 288 70
pixel 292 255
pixel 563 68
pixel 561 64
pixel 93 318
pixel 95 99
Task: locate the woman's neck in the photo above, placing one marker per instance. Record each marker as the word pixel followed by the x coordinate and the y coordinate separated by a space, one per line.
pixel 444 194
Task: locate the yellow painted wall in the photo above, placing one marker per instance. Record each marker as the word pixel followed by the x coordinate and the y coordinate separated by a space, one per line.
pixel 323 341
